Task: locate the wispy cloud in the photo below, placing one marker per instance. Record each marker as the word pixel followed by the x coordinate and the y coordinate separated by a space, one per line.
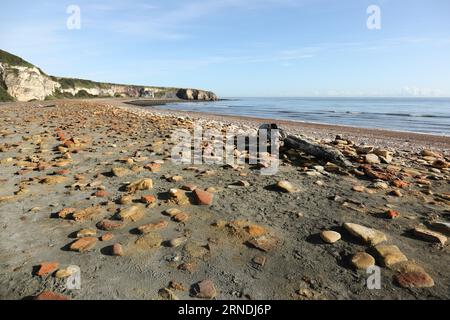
pixel 171 23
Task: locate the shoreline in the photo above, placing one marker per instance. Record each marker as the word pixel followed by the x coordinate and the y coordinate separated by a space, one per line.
pixel 401 140
pixel 327 131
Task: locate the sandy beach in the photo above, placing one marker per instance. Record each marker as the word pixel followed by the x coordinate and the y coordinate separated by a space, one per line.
pixel 90 183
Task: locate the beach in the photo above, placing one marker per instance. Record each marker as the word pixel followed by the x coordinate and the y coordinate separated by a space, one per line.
pixel 91 183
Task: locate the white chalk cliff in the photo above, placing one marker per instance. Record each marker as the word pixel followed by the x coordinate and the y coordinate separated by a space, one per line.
pixel 22 81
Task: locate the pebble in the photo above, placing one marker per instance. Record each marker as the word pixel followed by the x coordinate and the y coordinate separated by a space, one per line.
pixel 242 183
pixel 121 172
pixel 181 217
pixel 400 183
pixel 147 228
pixel 117 250
pixel 380 185
pixel 264 243
pixel 143 184
pixel 107 236
pixel 83 244
pixel 254 230
pixel 110 225
pixel 178 197
pixel 126 199
pixel 88 213
pixel 49 295
pixel 372 159
pixel 288 187
pixel 203 198
pixel 188 266
pixel 392 214
pixel 205 290
pixel 52 180
pixel 414 279
pixel 368 235
pixel 259 260
pixel 149 241
pixel 46 268
pixel 153 167
pixel 167 294
pixel 440 164
pixel 396 193
pixel 64 213
pixel 133 213
pixel 390 255
pixel 430 153
pixel 101 194
pixel 358 188
pixel 430 235
pixel 172 212
pixel 176 286
pixel 86 233
pixel 175 179
pixel 362 260
pixel 148 199
pixel 6 198
pixel 330 236
pixel 66 272
pixel 177 242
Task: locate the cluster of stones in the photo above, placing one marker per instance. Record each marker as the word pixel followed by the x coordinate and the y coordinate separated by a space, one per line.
pixel 383 169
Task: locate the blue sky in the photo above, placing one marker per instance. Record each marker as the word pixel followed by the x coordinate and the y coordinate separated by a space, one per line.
pixel 241 47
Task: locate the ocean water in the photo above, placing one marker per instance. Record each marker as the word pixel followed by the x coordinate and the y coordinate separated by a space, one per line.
pixel 422 115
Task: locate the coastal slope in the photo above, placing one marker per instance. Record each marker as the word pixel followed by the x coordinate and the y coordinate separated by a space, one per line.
pixel 23 81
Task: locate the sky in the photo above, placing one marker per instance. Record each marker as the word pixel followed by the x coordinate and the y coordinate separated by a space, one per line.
pixel 239 48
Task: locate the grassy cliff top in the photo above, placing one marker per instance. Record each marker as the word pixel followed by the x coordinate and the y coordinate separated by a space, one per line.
pixel 13 60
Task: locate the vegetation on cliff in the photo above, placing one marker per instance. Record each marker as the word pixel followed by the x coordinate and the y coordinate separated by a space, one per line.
pixel 4 95
pixel 8 58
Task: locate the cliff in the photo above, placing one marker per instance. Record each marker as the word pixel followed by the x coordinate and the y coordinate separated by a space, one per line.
pixel 22 81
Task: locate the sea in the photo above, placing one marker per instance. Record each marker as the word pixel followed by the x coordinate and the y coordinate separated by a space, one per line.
pixel 420 115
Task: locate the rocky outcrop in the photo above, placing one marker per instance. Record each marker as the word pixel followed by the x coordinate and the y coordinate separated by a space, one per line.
pixel 22 81
pixel 26 83
pixel 193 94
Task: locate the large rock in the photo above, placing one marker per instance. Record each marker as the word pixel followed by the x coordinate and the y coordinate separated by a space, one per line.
pixel 193 94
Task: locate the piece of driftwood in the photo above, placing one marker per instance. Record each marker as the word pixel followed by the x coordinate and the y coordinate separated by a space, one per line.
pixel 315 149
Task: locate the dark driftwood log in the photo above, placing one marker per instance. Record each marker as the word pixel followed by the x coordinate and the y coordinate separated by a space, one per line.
pixel 317 150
